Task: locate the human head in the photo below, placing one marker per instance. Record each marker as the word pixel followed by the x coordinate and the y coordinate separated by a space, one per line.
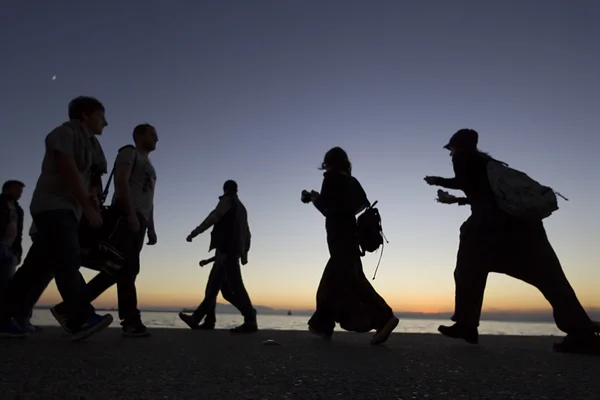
pixel 230 187
pixel 13 189
pixel 90 112
pixel 463 140
pixel 336 159
pixel 145 137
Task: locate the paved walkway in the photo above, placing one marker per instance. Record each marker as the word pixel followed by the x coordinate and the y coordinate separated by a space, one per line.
pixel 185 364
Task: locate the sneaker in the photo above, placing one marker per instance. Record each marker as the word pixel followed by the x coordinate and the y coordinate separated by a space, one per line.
pixel 25 324
pixel 10 328
pixel 320 333
pixel 92 326
pixel 579 344
pixel 134 329
pixel 246 327
pixel 189 320
pixel 383 334
pixel 206 326
pixel 457 331
pixel 59 314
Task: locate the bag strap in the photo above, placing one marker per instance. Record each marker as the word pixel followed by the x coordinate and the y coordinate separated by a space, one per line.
pixel 112 172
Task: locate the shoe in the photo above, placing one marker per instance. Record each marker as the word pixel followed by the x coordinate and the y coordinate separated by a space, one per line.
pixel 320 333
pixel 189 320
pixel 207 326
pixel 92 326
pixel 134 329
pixel 383 334
pixel 246 327
pixel 457 331
pixel 9 328
pixel 579 344
pixel 25 324
pixel 60 315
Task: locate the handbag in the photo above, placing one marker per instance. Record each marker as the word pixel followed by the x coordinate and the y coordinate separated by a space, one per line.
pixel 101 248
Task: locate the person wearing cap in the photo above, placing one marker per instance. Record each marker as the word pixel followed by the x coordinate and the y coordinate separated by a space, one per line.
pixel 493 241
pixel 230 238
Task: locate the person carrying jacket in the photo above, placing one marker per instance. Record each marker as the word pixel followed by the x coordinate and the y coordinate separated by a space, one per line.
pixel 230 238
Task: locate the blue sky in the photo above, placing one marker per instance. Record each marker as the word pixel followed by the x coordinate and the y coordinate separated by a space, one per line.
pixel 258 91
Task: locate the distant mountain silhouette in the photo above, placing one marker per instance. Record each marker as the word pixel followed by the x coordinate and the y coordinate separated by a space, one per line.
pixel 496 315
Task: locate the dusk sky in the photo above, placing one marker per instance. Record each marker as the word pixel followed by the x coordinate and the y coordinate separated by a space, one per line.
pixel 258 91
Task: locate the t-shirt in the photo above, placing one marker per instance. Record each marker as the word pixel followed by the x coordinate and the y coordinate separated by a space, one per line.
pixel 142 180
pixel 50 192
pixel 9 236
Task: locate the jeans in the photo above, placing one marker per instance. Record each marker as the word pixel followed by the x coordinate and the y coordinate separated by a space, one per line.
pixel 55 252
pixel 7 268
pixel 131 246
pixel 226 275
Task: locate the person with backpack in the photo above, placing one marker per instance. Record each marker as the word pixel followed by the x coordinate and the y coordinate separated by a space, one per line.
pixel 131 219
pixel 340 200
pixel 505 234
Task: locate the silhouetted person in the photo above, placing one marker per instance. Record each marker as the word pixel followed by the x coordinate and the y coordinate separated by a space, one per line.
pixel 133 203
pixel 11 231
pixel 34 286
pixel 491 240
pixel 61 196
pixel 230 238
pixel 341 199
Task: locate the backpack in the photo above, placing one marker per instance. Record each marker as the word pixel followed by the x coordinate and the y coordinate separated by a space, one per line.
pixel 519 195
pixel 370 232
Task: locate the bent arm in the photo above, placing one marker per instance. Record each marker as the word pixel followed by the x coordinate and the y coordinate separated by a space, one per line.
pixel 448 183
pixel 215 216
pixel 123 169
pixel 61 142
pixel 17 247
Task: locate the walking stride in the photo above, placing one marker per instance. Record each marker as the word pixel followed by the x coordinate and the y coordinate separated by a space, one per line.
pixel 340 200
pixel 505 234
pixel 230 238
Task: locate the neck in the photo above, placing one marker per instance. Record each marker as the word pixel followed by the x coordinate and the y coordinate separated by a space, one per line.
pixel 141 150
pixel 87 132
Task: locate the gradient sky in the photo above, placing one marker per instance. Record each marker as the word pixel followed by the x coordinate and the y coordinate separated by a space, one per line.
pixel 258 91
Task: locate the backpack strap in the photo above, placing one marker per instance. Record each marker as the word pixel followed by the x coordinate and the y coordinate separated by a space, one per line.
pixel 112 172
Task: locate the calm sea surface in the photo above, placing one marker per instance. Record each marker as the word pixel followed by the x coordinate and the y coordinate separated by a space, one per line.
pixel 298 322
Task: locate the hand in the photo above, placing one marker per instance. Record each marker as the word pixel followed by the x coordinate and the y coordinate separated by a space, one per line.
pixel 189 238
pixel 95 201
pixel 152 238
pixel 203 263
pixel 431 180
pixel 92 216
pixel 305 197
pixel 445 197
pixel 244 260
pixel 133 223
